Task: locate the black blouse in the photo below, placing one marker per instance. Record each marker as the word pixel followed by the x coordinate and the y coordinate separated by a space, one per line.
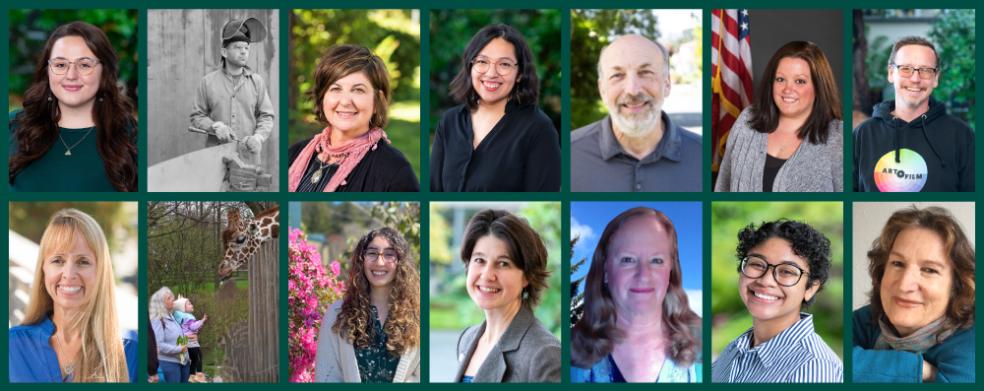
pixel 521 153
pixel 772 166
pixel 383 169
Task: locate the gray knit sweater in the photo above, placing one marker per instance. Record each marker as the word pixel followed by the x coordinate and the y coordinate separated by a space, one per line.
pixel 812 168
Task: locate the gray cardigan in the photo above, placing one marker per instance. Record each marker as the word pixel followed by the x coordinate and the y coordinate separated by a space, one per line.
pixel 812 168
pixel 336 362
pixel 526 353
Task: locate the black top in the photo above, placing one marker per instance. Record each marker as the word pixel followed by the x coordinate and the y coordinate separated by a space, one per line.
pixel 521 153
pixel 772 166
pixel 382 169
pixel 617 376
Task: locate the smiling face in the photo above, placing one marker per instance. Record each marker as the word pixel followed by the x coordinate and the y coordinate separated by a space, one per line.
pixel 73 89
pixel 381 271
pixel 638 266
pixel 915 288
pixel 792 88
pixel 189 308
pixel 913 91
pixel 494 280
pixel 236 53
pixel 768 302
pixel 349 103
pixel 633 82
pixel 70 274
pixel 495 84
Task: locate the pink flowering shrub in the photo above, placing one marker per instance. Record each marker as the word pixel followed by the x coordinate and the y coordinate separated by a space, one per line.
pixel 311 289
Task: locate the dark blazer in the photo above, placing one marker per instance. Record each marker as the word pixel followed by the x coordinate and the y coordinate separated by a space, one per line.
pixel 526 353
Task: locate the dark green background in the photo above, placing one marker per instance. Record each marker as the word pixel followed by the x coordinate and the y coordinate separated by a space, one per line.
pixel 565 196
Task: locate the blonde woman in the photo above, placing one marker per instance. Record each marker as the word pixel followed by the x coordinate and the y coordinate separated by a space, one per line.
pixel 70 331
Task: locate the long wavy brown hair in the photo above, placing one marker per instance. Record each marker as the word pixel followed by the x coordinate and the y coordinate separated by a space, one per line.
pixel 402 326
pixel 595 335
pixel 960 311
pixel 116 128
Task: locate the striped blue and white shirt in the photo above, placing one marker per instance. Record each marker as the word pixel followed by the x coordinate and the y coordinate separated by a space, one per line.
pixel 796 355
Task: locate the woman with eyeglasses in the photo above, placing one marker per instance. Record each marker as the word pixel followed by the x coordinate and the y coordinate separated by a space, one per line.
pixel 496 139
pixel 76 131
pixel 373 334
pixel 783 265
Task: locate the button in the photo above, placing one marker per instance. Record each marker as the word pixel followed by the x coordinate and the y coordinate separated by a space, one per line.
pixel 638 186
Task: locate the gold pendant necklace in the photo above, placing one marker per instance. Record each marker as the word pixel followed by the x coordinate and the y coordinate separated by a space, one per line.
pixel 68 149
pixel 317 174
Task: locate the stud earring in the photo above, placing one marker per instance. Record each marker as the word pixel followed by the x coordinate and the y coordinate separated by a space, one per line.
pixel 526 294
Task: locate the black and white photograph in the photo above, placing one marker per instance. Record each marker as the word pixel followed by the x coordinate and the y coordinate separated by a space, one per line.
pixel 213 83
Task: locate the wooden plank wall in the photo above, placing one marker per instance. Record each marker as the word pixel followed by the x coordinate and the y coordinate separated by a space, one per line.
pixel 183 46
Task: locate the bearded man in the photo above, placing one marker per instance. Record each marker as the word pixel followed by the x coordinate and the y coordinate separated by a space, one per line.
pixel 635 148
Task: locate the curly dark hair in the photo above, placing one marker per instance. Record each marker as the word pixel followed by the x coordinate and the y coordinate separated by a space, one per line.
pixel 805 240
pixel 402 326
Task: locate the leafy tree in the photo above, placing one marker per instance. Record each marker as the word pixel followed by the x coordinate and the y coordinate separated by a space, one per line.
pixel 954 35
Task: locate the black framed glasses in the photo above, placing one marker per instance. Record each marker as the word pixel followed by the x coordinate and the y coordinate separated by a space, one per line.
pixel 906 71
pixel 502 67
pixel 84 65
pixel 785 274
pixel 389 255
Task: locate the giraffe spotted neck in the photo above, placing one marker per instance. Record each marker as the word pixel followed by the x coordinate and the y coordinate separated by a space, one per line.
pixel 243 237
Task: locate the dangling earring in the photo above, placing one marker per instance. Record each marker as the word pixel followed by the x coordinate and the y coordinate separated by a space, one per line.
pixel 100 99
pixel 526 294
pixel 49 98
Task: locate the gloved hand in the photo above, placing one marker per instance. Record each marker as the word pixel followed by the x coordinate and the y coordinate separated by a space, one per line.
pixel 222 131
pixel 253 144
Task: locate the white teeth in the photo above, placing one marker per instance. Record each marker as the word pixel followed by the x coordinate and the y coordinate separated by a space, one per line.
pixel 71 289
pixel 379 273
pixel 789 100
pixel 764 296
pixel 488 290
pixel 491 85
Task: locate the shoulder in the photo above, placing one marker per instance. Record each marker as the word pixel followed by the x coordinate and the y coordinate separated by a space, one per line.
pixel 743 127
pixel 956 125
pixel 454 113
pixel 213 75
pixel 539 336
pixel 389 155
pixel 687 137
pixel 588 134
pixel 296 148
pixel 23 333
pixel 331 314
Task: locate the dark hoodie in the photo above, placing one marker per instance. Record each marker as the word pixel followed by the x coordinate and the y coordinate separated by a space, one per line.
pixel 934 152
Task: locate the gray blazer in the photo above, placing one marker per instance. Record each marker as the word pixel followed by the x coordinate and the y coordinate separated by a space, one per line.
pixel 526 353
pixel 812 168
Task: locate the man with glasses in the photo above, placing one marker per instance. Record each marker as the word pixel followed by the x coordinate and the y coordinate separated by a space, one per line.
pixel 636 147
pixel 911 144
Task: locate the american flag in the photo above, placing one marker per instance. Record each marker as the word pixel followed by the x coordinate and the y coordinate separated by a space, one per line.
pixel 731 65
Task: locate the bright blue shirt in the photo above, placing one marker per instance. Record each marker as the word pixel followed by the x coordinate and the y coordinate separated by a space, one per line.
pixel 795 355
pixel 33 360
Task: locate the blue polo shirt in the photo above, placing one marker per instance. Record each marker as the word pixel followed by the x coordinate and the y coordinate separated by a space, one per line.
pixel 599 164
pixel 33 360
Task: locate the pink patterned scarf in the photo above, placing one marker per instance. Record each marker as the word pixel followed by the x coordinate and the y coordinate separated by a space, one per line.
pixel 351 153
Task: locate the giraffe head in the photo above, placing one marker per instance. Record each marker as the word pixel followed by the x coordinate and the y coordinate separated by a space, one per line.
pixel 242 237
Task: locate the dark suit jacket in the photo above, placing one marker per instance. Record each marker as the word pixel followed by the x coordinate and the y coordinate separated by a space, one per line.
pixel 526 353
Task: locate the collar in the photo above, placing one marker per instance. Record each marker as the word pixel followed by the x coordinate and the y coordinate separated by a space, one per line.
pixel 517 329
pixel 774 350
pixel 246 72
pixel 668 147
pixel 47 328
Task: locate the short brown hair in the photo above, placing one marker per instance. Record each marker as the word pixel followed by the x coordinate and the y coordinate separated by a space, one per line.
pixel 595 335
pixel 912 40
pixel 826 104
pixel 525 247
pixel 344 60
pixel 960 310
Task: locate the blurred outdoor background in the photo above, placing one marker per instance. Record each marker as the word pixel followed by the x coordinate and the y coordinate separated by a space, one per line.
pixel 953 33
pixel 588 221
pixel 27 222
pixel 184 248
pixel 450 31
pixel 322 237
pixel 730 317
pixel 30 28
pixel 393 35
pixel 678 30
pixel 451 309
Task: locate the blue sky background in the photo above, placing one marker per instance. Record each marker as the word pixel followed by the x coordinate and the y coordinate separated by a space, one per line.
pixel 588 220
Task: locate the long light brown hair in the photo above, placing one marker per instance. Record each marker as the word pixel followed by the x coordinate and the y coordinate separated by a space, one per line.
pixel 595 335
pixel 103 359
pixel 402 326
pixel 116 128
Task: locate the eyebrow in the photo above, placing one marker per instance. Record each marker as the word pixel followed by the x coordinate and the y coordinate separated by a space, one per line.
pixel 930 261
pixel 781 262
pixel 76 59
pixel 500 58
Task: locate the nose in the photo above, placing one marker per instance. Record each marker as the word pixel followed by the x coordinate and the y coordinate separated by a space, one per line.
pixel 73 72
pixel 909 280
pixel 633 85
pixel 486 273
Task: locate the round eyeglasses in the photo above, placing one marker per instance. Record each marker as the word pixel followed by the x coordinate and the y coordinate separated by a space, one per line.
pixel 503 67
pixel 84 65
pixel 389 255
pixel 785 274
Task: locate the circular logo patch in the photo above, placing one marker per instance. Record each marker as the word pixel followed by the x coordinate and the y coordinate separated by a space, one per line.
pixel 909 174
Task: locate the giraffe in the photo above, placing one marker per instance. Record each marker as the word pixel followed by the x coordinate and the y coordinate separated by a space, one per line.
pixel 242 238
